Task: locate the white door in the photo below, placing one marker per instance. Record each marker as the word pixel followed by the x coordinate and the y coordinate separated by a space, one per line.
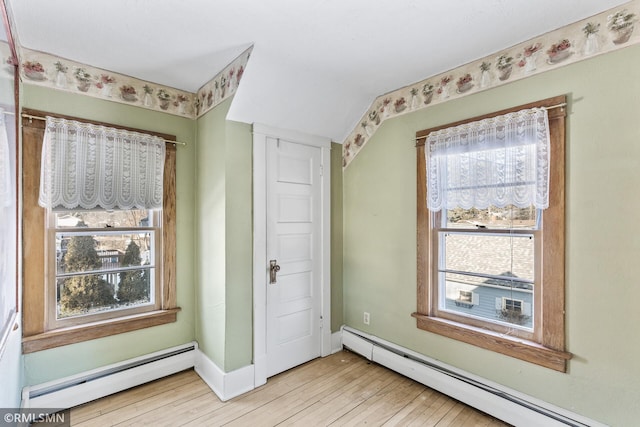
pixel 294 249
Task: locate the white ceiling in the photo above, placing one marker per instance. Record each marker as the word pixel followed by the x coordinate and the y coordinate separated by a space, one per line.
pixel 316 65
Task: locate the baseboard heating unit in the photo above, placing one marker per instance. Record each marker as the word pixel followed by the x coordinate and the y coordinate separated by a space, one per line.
pixel 82 388
pixel 505 404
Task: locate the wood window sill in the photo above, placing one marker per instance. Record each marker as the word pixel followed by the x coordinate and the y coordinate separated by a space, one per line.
pixel 89 331
pixel 511 346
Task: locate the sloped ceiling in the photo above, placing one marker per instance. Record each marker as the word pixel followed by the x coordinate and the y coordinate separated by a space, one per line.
pixel 316 66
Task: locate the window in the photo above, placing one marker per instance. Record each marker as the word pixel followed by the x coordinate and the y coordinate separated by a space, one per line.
pixel 95 266
pixel 8 192
pixel 8 225
pixel 513 305
pixel 492 274
pixel 462 298
pixel 104 264
pixel 465 297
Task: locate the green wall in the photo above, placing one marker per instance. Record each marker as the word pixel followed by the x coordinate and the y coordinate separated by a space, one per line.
pixel 71 359
pixel 603 247
pixel 224 326
pixel 337 313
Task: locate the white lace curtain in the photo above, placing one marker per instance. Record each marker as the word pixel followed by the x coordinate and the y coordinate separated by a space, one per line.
pixel 86 166
pixel 498 161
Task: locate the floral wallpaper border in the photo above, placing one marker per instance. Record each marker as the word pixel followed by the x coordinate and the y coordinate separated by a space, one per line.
pixel 7 69
pixel 602 33
pixel 43 69
pixel 223 85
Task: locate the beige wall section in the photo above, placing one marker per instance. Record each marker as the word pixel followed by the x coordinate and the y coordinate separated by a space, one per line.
pixel 63 361
pixel 603 248
pixel 224 239
pixel 337 313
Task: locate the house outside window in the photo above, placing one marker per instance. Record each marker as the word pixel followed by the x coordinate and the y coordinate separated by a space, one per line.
pixel 491 252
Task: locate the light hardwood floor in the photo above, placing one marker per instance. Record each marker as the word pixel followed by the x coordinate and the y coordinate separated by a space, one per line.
pixel 342 389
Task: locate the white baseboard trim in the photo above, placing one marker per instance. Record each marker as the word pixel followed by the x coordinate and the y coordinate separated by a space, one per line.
pixel 506 404
pixel 82 388
pixel 226 385
pixel 260 370
pixel 501 402
pixel 336 342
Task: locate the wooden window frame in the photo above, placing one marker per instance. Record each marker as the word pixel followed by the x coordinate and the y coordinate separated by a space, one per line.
pixel 546 347
pixel 36 335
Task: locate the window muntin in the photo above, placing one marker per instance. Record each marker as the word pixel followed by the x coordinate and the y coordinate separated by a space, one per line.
pixel 103 264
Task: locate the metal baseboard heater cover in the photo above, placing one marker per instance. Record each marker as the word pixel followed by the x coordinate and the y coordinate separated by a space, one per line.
pixel 85 387
pixel 505 404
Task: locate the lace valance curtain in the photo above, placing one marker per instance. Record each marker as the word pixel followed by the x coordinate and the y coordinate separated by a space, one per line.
pixel 498 161
pixel 86 166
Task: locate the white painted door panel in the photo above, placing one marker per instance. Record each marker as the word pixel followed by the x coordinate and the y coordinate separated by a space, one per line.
pixel 293 240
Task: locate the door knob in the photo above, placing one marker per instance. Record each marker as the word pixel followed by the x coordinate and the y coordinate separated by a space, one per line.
pixel 273 269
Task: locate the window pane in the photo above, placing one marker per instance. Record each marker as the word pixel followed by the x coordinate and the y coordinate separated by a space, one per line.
pixel 493 217
pixel 119 265
pixel 489 254
pixel 484 299
pixel 488 276
pixel 95 293
pixel 104 219
pixel 78 252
